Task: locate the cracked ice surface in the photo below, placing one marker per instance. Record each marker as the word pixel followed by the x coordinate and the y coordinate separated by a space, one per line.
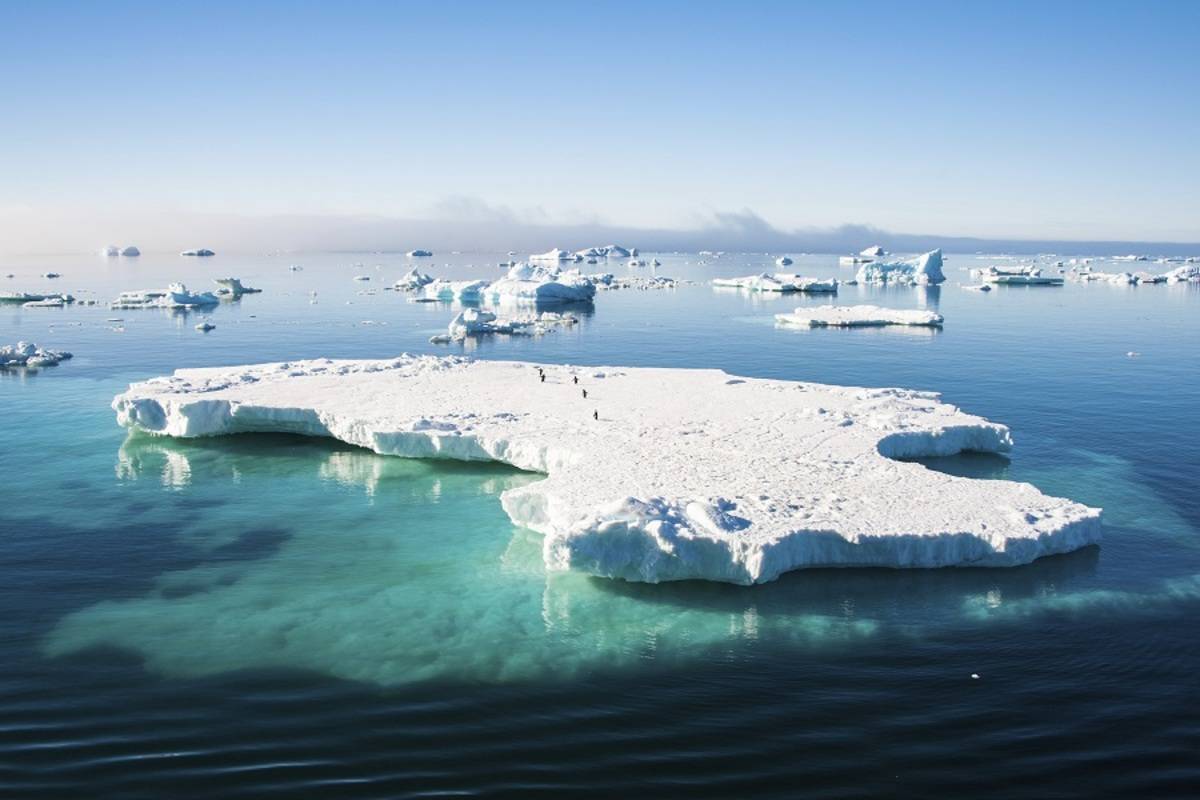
pixel 687 474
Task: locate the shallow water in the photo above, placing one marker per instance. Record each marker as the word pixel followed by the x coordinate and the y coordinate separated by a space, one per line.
pixel 265 615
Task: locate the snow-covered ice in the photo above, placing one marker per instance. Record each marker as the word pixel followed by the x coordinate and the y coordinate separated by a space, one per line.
pixel 920 271
pixel 541 284
pixel 685 473
pixel 27 354
pixel 777 282
pixel 858 317
pixel 874 251
pixel 555 255
pixel 233 287
pixel 478 322
pixel 412 280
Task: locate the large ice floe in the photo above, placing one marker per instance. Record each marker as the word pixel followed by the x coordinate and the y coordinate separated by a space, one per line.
pixel 27 354
pixel 920 271
pixel 864 316
pixel 478 322
pixel 659 474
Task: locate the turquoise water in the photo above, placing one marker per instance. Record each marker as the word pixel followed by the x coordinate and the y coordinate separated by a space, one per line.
pixel 248 582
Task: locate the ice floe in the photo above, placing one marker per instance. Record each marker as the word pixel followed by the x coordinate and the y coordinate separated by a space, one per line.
pixel 232 287
pixel 859 317
pixel 920 271
pixel 419 254
pixel 174 296
pixel 1025 275
pixel 202 251
pixel 478 322
pixel 778 282
pixel 606 281
pixel 555 255
pixel 659 474
pixel 27 354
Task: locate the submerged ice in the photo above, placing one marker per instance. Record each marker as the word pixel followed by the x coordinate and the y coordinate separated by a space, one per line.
pixel 659 474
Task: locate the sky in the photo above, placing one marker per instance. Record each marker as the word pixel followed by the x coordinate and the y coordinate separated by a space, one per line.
pixel 1006 120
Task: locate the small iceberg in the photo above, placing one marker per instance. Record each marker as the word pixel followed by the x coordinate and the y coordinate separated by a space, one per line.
pixel 874 251
pixel 201 252
pixel 419 254
pixel 540 284
pixel 463 291
pixel 27 354
pixel 478 322
pixel 555 256
pixel 111 251
pixel 232 287
pixel 175 296
pixel 859 317
pixel 1018 276
pixel 411 281
pixel 923 270
pixel 205 327
pixel 130 251
pixel 783 261
pixel 777 282
pixel 51 275
pixel 606 281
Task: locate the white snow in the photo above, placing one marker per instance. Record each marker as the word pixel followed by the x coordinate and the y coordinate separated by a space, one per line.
pixel 27 354
pixel 685 474
pixel 920 271
pixel 858 316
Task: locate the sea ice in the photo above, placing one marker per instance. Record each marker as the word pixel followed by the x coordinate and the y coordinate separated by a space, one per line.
pixel 411 281
pixel 477 322
pixel 777 282
pixel 175 296
pixel 110 251
pixel 233 287
pixel 858 317
pixel 555 256
pixel 199 252
pixel 419 254
pixel 27 354
pixel 660 474
pixel 130 251
pixel 541 284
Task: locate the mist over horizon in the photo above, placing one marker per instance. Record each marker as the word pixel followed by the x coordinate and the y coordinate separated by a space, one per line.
pixel 480 227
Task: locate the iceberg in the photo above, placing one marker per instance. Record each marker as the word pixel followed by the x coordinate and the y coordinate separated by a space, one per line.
pixel 411 281
pixel 783 261
pixel 463 291
pixel 555 256
pixel 110 251
pixel 777 282
pixel 27 354
pixel 659 474
pixel 205 327
pixel 477 322
pixel 199 252
pixel 920 271
pixel 174 296
pixel 859 316
pixel 130 251
pixel 540 284
pixel 1018 276
pixel 874 251
pixel 419 254
pixel 232 287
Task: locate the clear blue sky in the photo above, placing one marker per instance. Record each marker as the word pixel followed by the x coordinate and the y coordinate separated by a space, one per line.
pixel 1067 120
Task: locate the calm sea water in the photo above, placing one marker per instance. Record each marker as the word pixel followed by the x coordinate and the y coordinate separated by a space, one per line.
pixel 275 616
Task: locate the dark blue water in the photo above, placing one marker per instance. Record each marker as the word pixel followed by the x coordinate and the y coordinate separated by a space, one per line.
pixel 275 616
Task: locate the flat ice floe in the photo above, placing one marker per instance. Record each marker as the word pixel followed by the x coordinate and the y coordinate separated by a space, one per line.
pixel 859 317
pixel 659 474
pixel 782 282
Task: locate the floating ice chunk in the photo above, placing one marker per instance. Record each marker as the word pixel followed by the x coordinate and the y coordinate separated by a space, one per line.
pixel 555 256
pixel 362 277
pixel 777 282
pixel 874 251
pixel 983 287
pixel 477 322
pixel 24 297
pixel 1131 258
pixel 783 261
pixel 53 301
pixel 205 327
pixel 27 354
pixel 110 251
pixel 130 251
pixel 469 291
pixel 175 296
pixel 411 281
pixel 859 316
pixel 419 254
pixel 233 287
pixel 541 284
pixel 1018 276
pixel 51 275
pixel 606 281
pixel 686 474
pixel 920 271
pixel 199 252
pixel 636 262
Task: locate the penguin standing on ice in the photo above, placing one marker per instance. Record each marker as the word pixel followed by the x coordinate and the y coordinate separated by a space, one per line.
pixel 585 394
pixel 596 415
